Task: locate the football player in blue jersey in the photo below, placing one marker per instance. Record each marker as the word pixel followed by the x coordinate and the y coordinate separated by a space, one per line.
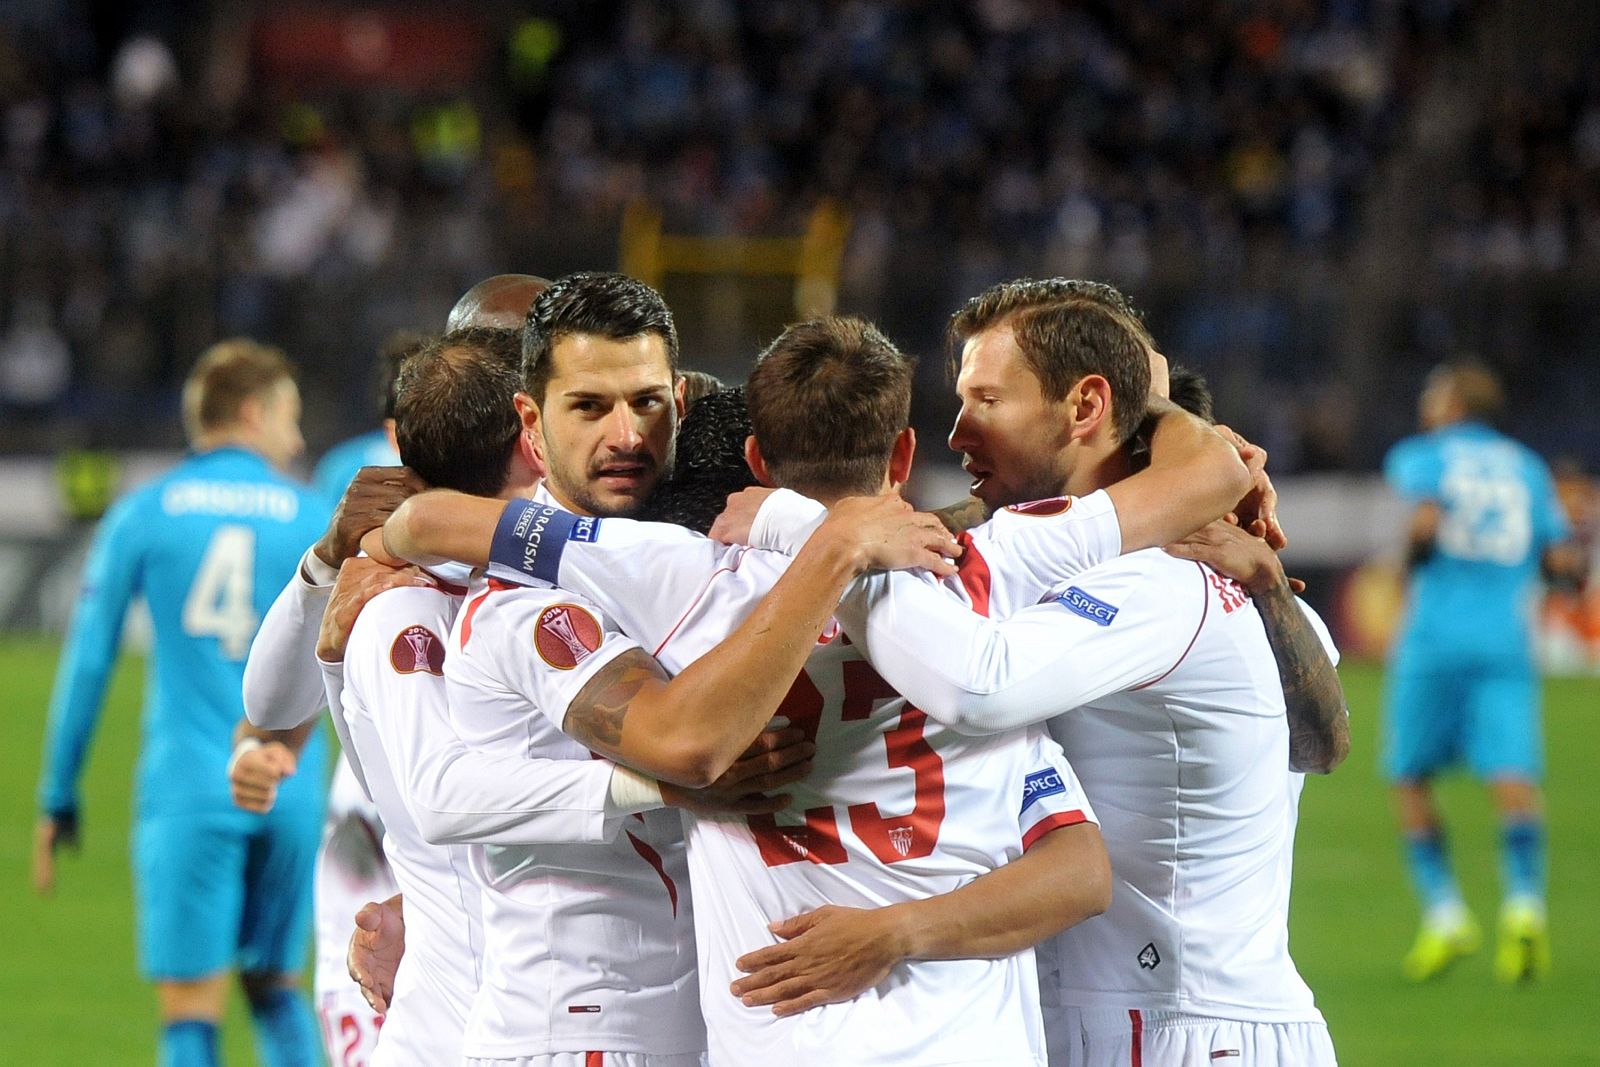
pixel 208 546
pixel 375 448
pixel 1463 686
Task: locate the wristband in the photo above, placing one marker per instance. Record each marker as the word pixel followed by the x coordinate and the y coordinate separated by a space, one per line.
pixel 632 792
pixel 530 539
pixel 248 743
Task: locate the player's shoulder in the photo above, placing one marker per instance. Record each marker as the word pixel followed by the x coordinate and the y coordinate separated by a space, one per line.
pixel 1016 520
pixel 1150 581
pixel 501 610
pixel 1410 451
pixel 409 625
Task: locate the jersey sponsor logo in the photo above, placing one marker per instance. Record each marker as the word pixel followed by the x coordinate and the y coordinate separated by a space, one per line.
pixel 1148 957
pixel 1095 610
pixel 565 636
pixel 417 650
pixel 1041 784
pixel 1040 508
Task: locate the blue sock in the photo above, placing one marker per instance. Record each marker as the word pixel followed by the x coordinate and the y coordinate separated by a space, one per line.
pixel 286 1030
pixel 1522 859
pixel 189 1043
pixel 1429 863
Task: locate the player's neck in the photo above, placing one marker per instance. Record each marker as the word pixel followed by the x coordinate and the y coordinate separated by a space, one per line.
pixel 210 442
pixel 1101 464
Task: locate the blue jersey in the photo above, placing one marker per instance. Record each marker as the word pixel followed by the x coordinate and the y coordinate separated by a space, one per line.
pixel 340 463
pixel 1474 594
pixel 208 546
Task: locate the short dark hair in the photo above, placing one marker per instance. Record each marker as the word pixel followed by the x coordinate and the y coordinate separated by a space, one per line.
pixel 224 377
pixel 1066 329
pixel 827 400
pixel 710 463
pixel 392 354
pixel 1188 389
pixel 455 416
pixel 608 305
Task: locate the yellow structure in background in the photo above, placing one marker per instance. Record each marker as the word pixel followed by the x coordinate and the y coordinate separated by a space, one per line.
pixel 812 259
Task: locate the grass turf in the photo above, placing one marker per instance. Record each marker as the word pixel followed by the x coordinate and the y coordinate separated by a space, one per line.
pixel 72 996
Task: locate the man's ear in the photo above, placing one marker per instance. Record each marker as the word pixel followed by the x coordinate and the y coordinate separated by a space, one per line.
pixel 531 441
pixel 756 462
pixel 901 456
pixel 1090 406
pixel 677 397
pixel 388 433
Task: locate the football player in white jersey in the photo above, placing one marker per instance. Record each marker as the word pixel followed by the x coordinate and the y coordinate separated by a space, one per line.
pixel 1165 692
pixel 985 1009
pixel 588 950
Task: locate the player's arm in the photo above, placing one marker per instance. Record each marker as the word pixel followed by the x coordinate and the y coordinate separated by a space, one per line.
pixel 1319 721
pixel 282 687
pixel 835 953
pixel 1195 475
pixel 1422 532
pixel 1109 631
pixel 110 581
pixel 691 729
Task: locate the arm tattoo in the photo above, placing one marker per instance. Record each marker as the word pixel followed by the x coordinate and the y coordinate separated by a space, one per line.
pixel 963 515
pixel 1319 725
pixel 596 715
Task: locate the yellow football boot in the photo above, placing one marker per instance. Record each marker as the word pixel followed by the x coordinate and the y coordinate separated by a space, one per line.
pixel 1523 952
pixel 1438 946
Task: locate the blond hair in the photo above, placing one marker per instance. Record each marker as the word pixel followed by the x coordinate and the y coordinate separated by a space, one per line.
pixel 224 377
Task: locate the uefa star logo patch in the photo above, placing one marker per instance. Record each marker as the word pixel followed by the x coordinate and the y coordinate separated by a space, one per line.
pixel 417 650
pixel 565 636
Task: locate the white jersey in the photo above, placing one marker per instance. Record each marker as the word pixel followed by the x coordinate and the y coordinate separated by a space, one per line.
pixel 587 946
pixel 393 681
pixel 895 809
pixel 351 870
pixel 1178 735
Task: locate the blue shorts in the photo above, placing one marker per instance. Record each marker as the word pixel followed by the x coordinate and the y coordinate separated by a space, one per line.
pixel 1440 713
pixel 219 891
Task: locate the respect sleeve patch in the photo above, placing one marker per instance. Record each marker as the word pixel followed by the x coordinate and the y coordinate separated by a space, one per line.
pixel 530 540
pixel 1040 784
pixel 1094 609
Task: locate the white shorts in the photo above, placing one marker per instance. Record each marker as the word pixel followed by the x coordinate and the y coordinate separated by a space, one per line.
pixel 349 1026
pixel 1112 1038
pixel 595 1059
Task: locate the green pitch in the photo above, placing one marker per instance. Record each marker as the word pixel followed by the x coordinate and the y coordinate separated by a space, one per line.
pixel 72 997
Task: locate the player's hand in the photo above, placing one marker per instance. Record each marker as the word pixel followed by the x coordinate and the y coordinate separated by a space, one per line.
pixel 826 956
pixel 253 776
pixel 774 759
pixel 50 833
pixel 360 580
pixel 371 498
pixel 887 534
pixel 733 525
pixel 1242 555
pixel 375 950
pixel 1261 502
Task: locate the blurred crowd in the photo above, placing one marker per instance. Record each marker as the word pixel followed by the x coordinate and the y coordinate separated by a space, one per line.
pixel 159 187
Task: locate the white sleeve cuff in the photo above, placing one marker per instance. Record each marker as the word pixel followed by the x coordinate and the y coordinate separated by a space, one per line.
pixel 632 792
pixel 786 520
pixel 314 572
